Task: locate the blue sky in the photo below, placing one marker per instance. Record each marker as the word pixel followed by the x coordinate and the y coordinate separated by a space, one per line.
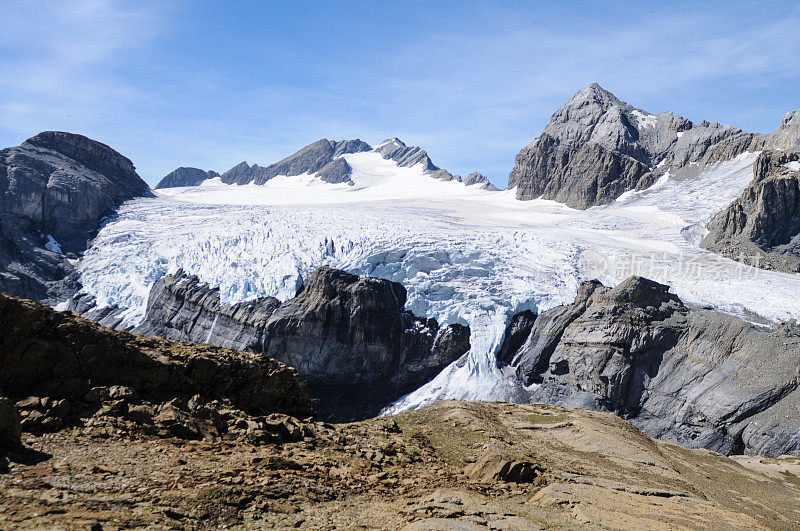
pixel 210 84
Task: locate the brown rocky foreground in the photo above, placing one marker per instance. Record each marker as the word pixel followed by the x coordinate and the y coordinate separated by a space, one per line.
pixel 453 465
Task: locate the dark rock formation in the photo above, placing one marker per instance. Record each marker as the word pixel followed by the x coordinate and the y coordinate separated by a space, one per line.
pixel 697 377
pixel 762 226
pixel 54 189
pixel 181 307
pixel 10 429
pixel 596 147
pixel 319 157
pixel 350 337
pixel 58 355
pixel 185 177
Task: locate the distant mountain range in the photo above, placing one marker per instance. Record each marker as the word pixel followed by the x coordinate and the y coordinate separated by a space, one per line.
pixel 696 376
pixel 323 159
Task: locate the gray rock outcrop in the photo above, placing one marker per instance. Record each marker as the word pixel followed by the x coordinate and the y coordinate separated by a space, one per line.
pixel 319 158
pixel 54 190
pixel 185 177
pixel 350 337
pixel 693 376
pixel 597 147
pixel 479 178
pixel 181 307
pixel 762 226
pixel 407 156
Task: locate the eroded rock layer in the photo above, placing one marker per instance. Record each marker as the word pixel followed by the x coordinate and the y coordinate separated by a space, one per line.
pixel 697 377
pixel 350 337
pixel 762 226
pixel 54 190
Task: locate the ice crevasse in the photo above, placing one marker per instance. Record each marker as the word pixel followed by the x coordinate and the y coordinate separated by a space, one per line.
pixel 464 254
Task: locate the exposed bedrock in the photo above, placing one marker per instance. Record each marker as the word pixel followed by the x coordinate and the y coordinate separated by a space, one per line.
pixel 597 147
pixel 762 226
pixel 53 354
pixel 320 157
pixel 697 377
pixel 184 176
pixel 350 337
pixel 54 190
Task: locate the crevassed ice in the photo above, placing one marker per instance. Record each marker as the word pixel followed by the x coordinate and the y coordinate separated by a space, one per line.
pixel 464 255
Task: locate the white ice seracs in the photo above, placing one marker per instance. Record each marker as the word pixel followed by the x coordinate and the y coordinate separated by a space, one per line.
pixel 464 255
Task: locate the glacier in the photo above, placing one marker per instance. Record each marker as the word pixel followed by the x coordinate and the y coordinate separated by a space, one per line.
pixel 465 255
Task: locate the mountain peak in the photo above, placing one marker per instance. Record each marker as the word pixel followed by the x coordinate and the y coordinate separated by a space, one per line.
pixel 82 149
pixel 593 93
pixel 396 142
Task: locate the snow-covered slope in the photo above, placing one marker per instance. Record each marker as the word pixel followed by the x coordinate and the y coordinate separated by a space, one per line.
pixel 373 178
pixel 330 162
pixel 464 254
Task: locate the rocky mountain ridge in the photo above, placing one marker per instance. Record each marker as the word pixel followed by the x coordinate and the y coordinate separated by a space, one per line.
pixel 184 176
pixel 698 377
pixel 62 356
pixel 762 226
pixel 323 158
pixel 596 147
pixel 349 337
pixel 54 190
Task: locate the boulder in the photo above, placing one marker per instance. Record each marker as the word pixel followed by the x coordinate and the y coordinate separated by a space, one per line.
pixel 495 466
pixel 10 429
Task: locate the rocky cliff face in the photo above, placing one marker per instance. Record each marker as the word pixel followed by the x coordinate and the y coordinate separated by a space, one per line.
pixel 54 189
pixel 696 377
pixel 319 158
pixel 479 178
pixel 350 337
pixel 61 356
pixel 185 177
pixel 181 307
pixel 596 147
pixel 407 156
pixel 762 226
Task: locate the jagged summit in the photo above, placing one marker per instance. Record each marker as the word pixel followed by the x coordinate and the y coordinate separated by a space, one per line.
pixel 596 147
pixel 404 155
pixel 319 157
pixel 324 159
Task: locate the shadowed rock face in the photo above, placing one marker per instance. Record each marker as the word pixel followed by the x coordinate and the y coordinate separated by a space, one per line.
pixel 697 377
pixel 59 185
pixel 59 355
pixel 185 177
pixel 319 158
pixel 350 337
pixel 761 227
pixel 596 147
